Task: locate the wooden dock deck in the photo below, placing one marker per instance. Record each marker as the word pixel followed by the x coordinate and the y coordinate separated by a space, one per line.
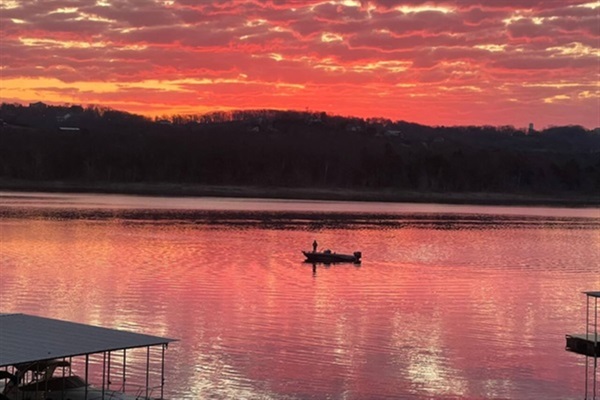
pixel 578 343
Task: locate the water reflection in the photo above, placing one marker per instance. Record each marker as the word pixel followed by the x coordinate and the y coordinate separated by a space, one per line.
pixel 288 214
pixel 430 313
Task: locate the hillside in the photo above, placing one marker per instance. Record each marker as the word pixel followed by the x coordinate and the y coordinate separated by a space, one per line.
pixel 94 147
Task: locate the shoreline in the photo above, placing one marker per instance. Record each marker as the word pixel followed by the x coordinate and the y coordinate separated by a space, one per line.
pixel 334 194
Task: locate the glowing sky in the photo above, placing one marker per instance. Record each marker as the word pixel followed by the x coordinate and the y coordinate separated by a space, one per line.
pixel 459 62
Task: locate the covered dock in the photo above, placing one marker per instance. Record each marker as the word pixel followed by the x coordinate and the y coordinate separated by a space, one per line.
pixel 588 344
pixel 27 339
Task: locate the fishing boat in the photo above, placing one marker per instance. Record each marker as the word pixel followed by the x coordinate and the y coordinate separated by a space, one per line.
pixel 329 257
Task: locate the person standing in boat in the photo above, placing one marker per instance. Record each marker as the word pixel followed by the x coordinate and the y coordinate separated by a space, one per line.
pixel 315 244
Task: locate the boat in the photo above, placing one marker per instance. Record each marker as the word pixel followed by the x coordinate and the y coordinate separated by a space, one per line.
pixel 329 257
pixel 36 355
pixel 53 380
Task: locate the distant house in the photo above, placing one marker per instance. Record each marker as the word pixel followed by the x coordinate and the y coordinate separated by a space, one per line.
pixel 38 105
pixel 315 120
pixel 63 118
pixel 76 109
pixel 69 129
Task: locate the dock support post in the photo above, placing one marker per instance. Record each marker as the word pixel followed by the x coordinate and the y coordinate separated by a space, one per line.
pixel 591 336
pixel 87 363
pixel 62 389
pixel 124 366
pixel 595 342
pixel 587 327
pixel 108 372
pixel 147 369
pixel 162 373
pixel 103 373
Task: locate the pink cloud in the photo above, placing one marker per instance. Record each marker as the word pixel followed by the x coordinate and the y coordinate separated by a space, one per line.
pixel 366 52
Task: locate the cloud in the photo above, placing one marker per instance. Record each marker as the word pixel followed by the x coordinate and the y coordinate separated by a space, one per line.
pixel 372 57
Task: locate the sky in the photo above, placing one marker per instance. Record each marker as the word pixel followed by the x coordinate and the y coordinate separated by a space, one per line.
pixel 459 62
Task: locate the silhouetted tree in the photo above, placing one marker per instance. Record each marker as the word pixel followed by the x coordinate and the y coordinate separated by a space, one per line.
pixel 292 149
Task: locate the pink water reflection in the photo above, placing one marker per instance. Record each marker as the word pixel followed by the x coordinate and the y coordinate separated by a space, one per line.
pixel 430 313
pixel 117 201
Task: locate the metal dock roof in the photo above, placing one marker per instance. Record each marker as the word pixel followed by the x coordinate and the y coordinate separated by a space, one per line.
pixel 27 338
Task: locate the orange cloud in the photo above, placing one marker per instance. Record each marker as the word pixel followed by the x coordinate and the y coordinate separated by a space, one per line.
pixel 458 62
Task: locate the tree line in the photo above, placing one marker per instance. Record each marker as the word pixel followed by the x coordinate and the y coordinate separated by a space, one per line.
pixel 292 149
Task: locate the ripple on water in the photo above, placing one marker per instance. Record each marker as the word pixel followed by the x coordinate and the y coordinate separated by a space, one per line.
pixel 441 306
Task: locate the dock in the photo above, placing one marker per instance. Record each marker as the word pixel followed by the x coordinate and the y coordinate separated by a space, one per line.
pixel 588 345
pixel 580 343
pixel 32 348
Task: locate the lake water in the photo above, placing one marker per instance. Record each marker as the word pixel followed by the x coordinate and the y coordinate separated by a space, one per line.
pixel 450 302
